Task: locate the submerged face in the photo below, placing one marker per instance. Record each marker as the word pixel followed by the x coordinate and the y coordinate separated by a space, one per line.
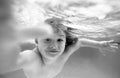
pixel 52 45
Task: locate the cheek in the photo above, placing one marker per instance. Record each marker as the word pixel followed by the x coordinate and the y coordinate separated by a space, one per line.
pixel 62 46
pixel 42 46
pixel 42 49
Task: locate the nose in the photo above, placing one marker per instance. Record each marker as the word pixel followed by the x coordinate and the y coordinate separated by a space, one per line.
pixel 53 46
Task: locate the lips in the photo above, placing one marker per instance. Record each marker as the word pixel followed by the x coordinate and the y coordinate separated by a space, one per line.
pixel 53 51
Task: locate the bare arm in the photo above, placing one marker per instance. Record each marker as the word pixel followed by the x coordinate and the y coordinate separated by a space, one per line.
pixel 103 46
pixel 70 50
pixel 83 42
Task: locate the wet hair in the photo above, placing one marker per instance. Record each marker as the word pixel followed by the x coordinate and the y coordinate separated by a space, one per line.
pixel 70 39
pixel 57 26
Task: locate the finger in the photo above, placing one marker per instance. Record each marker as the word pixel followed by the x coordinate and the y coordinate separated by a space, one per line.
pixel 111 41
pixel 115 47
pixel 118 43
pixel 115 44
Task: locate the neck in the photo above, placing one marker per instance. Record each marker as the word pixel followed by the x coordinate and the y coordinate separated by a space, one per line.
pixel 49 61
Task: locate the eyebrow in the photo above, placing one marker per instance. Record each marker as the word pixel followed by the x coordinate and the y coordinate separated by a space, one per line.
pixel 62 35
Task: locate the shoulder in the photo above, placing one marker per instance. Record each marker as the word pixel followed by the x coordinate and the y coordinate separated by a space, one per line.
pixel 26 54
pixel 26 57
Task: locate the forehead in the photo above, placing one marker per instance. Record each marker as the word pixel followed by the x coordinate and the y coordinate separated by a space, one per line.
pixel 54 35
pixel 59 34
pixel 52 32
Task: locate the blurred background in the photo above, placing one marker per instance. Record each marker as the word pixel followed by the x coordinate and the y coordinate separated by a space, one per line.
pixel 86 62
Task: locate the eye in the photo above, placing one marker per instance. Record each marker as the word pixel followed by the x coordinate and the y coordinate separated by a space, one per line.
pixel 60 40
pixel 51 22
pixel 48 40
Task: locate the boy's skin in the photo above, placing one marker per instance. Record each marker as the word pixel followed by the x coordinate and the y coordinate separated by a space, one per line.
pixel 50 54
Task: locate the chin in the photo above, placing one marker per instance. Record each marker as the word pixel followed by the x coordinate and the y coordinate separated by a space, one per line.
pixel 52 56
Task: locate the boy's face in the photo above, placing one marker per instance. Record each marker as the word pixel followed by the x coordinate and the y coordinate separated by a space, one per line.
pixel 52 45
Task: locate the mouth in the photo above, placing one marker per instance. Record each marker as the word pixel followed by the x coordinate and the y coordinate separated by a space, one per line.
pixel 53 51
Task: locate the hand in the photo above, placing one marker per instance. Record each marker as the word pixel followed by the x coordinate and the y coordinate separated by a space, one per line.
pixel 108 46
